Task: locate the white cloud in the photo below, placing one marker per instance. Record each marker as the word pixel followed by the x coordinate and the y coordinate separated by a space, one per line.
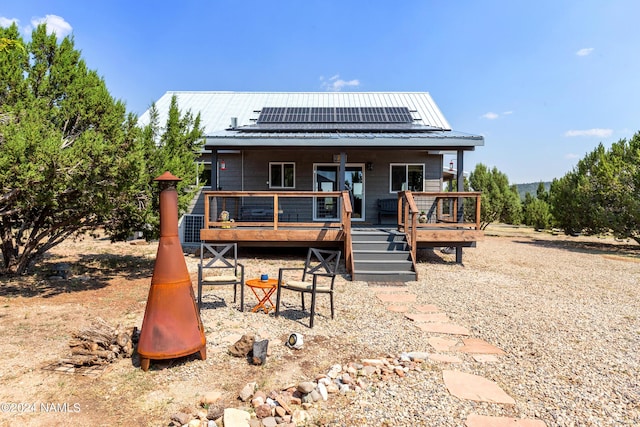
pixel 335 83
pixel 490 116
pixel 6 22
pixel 602 133
pixel 55 24
pixel 584 52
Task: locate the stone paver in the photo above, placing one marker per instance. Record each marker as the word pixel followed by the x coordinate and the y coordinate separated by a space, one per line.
pixel 485 358
pixel 397 297
pixel 473 387
pixel 444 358
pixel 441 344
pixel 476 345
pixel 427 308
pixel 443 328
pixel 474 420
pixel 427 317
pixel 398 308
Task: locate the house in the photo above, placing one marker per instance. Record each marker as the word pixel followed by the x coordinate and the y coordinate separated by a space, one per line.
pixel 293 168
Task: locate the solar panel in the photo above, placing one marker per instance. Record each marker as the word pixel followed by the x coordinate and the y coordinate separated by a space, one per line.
pixel 335 115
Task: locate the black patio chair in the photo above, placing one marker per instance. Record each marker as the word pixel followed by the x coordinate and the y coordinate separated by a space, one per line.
pixel 219 266
pixel 316 277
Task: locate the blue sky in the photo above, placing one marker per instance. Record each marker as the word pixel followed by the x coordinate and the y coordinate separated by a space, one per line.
pixel 543 81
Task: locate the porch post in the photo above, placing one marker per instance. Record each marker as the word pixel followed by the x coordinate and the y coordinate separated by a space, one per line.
pixel 341 170
pixel 214 169
pixel 460 187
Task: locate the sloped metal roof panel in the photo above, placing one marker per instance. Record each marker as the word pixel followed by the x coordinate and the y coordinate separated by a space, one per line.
pixel 217 108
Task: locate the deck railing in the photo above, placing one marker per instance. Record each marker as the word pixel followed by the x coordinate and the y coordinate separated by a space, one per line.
pixel 439 210
pixel 281 209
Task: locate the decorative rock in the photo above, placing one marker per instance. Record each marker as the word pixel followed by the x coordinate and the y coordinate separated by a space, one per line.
pixel 254 422
pixel 263 411
pixel 344 388
pixel 306 387
pixel 346 379
pixel 369 370
pixel 243 346
pixel 418 355
pixel 334 371
pixel 315 395
pixel 307 398
pixel 284 404
pixel 322 389
pixel 215 411
pixel 236 418
pixel 247 392
pixel 195 423
pixel 280 411
pixel 373 362
pixel 257 401
pixel 181 417
pixel 333 388
pixel 269 422
pixel 210 397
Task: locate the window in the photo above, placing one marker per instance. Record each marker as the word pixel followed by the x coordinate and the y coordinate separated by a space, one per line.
pixel 406 177
pixel 282 175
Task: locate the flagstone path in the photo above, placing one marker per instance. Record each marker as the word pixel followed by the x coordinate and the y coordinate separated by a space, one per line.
pixel 432 320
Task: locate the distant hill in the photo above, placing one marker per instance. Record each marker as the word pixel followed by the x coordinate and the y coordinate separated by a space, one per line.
pixel 531 188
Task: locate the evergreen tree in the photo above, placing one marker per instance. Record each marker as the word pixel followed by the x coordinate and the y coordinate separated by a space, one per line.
pixel 71 158
pixel 602 193
pixel 500 202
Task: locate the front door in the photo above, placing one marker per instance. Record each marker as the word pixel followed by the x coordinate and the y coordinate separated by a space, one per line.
pixel 326 179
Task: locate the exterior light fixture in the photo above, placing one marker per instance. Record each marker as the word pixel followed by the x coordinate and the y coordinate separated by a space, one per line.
pixel 369 166
pixel 223 165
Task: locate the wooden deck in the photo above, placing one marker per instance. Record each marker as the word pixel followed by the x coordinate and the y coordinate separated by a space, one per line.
pixel 306 218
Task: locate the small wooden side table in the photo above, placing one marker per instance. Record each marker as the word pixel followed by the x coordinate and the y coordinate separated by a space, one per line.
pixel 266 288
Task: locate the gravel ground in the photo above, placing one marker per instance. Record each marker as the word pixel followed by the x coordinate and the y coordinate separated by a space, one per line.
pixel 565 310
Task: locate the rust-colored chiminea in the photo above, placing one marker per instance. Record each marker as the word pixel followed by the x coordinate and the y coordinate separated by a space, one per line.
pixel 172 326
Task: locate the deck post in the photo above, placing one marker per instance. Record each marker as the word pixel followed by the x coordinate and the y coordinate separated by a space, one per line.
pixel 214 169
pixel 460 210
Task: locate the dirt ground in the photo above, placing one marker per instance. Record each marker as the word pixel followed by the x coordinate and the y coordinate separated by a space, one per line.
pixel 38 316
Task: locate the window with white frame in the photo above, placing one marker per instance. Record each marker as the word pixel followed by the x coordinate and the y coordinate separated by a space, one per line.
pixel 282 175
pixel 406 177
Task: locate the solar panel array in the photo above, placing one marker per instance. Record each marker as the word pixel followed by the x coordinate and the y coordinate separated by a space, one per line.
pixel 335 115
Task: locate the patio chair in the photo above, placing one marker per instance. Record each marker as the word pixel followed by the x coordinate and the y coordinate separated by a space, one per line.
pixel 316 277
pixel 219 266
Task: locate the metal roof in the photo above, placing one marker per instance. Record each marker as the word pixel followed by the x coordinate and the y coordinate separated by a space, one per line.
pixel 217 108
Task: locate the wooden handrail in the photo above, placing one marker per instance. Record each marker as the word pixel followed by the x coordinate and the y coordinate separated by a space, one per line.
pixel 347 211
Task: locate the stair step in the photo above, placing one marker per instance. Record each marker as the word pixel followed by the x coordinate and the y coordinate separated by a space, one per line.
pixel 382 266
pixel 387 276
pixel 378 246
pixel 382 255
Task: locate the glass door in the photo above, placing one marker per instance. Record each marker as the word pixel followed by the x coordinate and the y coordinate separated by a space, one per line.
pixel 354 182
pixel 326 179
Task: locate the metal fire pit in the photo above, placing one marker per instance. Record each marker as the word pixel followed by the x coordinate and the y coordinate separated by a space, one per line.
pixel 172 327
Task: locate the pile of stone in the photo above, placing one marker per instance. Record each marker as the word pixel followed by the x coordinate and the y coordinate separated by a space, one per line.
pixel 293 405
